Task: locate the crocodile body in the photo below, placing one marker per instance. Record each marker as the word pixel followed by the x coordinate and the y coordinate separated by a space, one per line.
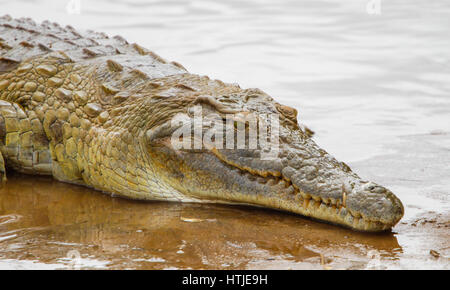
pixel 96 111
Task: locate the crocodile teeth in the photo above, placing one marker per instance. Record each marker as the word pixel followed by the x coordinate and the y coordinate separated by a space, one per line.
pixel 316 198
pixel 261 180
pixel 306 202
pixel 356 222
pixel 284 183
pixel 272 182
pixel 305 195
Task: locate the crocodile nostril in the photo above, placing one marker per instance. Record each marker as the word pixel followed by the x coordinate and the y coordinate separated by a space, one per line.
pixel 378 189
pixel 372 187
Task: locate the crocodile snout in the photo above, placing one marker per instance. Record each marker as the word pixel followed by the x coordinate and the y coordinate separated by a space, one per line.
pixel 375 203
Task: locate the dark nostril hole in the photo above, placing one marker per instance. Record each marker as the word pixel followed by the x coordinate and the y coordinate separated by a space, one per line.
pixel 371 187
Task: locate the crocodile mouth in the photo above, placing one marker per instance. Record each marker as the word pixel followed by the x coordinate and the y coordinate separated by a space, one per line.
pixel 208 175
pixel 289 197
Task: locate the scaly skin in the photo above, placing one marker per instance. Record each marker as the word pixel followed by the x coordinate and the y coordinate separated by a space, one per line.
pixel 97 111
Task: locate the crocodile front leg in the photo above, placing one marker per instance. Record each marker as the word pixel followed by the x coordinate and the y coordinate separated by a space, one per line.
pixel 23 144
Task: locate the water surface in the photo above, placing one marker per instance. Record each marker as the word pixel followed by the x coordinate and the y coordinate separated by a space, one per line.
pixel 374 88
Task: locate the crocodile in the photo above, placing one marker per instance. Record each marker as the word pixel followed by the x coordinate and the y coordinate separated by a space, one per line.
pixel 94 110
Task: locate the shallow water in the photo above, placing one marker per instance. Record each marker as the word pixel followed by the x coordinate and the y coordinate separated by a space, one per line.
pixel 374 88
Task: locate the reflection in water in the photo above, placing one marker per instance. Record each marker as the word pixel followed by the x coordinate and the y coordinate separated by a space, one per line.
pixel 44 219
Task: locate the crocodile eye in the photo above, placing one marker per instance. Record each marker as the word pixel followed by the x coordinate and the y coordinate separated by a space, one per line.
pixel 288 112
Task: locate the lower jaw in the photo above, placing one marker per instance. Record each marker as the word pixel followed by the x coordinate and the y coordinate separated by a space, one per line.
pixel 316 210
pixel 311 209
pixel 339 217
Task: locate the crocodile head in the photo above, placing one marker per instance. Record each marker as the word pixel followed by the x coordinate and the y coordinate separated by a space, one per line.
pixel 291 174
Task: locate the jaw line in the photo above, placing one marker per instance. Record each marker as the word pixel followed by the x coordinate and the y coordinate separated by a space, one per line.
pixel 306 204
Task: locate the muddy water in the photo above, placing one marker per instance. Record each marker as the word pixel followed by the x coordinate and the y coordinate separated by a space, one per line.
pixel 375 88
